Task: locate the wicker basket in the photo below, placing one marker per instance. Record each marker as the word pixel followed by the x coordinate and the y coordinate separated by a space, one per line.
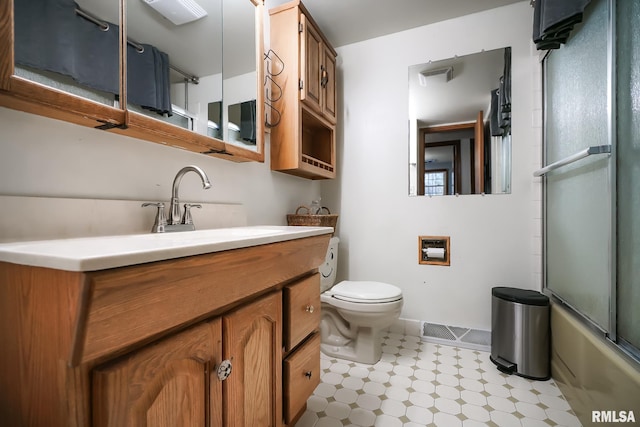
pixel 309 220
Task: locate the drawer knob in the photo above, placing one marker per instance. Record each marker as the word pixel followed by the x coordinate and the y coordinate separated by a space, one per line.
pixel 310 308
pixel 308 374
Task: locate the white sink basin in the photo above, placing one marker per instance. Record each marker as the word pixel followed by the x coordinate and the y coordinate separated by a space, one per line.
pixel 99 253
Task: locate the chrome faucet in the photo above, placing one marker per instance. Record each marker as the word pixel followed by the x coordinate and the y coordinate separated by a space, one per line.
pixel 174 214
pixel 176 222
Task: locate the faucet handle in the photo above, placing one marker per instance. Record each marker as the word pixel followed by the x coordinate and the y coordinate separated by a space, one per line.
pixel 161 220
pixel 186 216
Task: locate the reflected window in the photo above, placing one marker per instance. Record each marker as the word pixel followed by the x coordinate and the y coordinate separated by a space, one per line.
pixel 435 183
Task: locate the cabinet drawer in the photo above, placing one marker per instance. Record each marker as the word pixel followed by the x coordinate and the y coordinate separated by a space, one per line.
pixel 301 310
pixel 301 373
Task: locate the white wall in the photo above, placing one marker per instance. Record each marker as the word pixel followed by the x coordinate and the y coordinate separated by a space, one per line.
pixel 45 157
pixel 493 238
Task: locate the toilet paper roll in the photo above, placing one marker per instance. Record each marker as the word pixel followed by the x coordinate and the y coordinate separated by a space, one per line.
pixel 435 253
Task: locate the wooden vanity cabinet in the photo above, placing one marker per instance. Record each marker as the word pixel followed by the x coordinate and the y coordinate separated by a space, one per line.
pixel 304 141
pixel 141 345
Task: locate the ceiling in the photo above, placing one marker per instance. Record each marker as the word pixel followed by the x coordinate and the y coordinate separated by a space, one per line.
pixel 349 21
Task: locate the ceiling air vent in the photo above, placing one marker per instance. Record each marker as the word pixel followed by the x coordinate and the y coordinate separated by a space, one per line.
pixel 446 72
pixel 178 11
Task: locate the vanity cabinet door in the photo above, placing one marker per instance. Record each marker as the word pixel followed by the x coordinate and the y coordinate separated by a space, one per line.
pixel 252 394
pixel 311 58
pixel 318 63
pixel 328 84
pixel 168 383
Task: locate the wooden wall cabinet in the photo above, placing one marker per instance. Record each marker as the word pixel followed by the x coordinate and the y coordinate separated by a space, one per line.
pixel 25 95
pixel 142 345
pixel 304 141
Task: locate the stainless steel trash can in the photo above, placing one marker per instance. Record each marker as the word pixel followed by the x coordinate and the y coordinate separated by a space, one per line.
pixel 520 332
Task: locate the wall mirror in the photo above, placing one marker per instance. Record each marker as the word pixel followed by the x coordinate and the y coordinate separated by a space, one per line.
pixel 191 74
pixel 460 125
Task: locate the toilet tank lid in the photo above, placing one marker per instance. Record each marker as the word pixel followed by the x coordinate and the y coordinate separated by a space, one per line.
pixel 366 291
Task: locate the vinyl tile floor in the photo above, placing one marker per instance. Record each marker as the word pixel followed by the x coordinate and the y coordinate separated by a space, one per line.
pixel 424 384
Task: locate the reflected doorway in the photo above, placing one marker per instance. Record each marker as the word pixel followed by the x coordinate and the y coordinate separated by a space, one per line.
pixel 455 151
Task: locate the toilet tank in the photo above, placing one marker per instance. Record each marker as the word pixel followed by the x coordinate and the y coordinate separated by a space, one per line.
pixel 328 270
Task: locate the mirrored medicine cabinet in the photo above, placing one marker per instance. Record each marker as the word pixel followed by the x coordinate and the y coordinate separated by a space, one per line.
pixel 125 67
pixel 460 125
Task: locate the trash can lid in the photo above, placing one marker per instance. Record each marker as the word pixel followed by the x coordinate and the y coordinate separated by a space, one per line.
pixel 521 296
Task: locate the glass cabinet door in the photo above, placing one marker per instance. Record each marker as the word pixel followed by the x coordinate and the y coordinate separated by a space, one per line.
pixel 174 63
pixel 69 46
pixel 196 54
pixel 61 59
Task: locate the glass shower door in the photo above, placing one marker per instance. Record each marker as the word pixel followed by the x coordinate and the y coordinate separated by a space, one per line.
pixel 628 172
pixel 578 239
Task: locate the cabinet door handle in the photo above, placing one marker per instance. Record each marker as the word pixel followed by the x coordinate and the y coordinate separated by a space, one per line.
pixel 324 76
pixel 224 369
pixel 308 374
pixel 310 309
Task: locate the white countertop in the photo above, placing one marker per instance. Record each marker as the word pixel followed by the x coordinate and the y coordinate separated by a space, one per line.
pixel 100 253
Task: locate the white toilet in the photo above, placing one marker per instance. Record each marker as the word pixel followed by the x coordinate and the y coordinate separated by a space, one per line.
pixel 354 313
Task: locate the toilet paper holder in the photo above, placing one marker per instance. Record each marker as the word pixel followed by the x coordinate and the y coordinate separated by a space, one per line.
pixel 434 250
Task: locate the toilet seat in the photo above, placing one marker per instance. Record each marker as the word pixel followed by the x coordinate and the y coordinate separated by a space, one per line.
pixel 365 292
